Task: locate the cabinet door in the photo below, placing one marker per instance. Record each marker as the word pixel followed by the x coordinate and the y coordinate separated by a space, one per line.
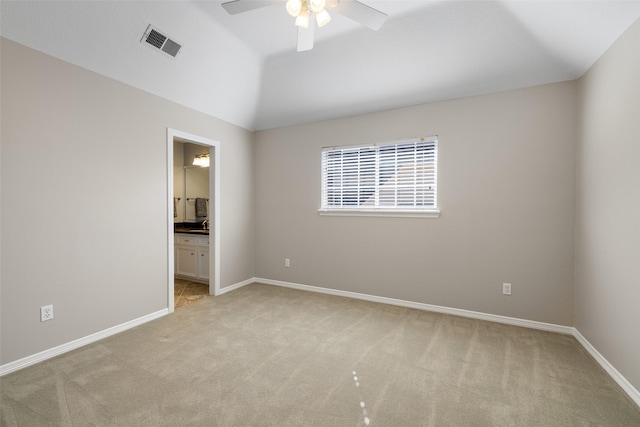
pixel 186 261
pixel 203 263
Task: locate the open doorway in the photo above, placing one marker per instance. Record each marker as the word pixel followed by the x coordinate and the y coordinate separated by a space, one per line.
pixel 194 206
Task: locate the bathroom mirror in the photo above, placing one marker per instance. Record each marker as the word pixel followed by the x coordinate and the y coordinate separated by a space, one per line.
pixel 196 185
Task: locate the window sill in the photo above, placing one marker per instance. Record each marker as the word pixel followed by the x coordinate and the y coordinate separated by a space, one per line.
pixel 406 213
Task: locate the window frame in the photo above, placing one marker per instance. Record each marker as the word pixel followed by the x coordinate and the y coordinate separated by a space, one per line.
pixel 380 211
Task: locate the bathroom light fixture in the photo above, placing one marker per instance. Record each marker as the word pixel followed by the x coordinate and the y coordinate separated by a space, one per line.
pixel 201 160
pixel 301 9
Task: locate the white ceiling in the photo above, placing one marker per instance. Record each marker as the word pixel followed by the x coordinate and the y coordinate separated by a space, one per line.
pixel 245 69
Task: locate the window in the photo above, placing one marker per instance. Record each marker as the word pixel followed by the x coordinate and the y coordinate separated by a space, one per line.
pixel 396 179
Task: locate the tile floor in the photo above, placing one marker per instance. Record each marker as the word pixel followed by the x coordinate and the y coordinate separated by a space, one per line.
pixel 186 292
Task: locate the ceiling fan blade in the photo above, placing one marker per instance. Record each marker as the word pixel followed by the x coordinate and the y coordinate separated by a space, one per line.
pixel 361 13
pixel 239 6
pixel 306 36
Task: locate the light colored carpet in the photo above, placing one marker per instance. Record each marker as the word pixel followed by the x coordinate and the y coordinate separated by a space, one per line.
pixel 268 356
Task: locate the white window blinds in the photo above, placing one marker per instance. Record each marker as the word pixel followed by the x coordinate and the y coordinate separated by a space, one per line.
pixel 388 176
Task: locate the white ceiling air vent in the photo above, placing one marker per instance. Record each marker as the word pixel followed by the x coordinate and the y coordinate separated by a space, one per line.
pixel 157 40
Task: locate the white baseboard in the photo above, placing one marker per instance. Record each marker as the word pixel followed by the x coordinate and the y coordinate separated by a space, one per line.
pixel 613 372
pixel 63 348
pixel 426 307
pixel 55 351
pixel 608 367
pixel 235 286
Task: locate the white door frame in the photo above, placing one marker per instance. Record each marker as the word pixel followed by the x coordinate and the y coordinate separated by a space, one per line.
pixel 214 194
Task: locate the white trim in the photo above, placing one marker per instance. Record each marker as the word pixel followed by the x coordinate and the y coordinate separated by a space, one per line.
pixel 170 227
pixel 217 146
pixel 431 213
pixel 80 342
pixel 532 324
pixel 613 372
pixel 235 286
pixel 214 255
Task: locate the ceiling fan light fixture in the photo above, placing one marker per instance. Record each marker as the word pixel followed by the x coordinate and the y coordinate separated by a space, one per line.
pixel 294 7
pixel 317 5
pixel 332 4
pixel 302 20
pixel 301 10
pixel 323 18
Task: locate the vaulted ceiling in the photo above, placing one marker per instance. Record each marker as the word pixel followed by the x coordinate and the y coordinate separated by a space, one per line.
pixel 245 69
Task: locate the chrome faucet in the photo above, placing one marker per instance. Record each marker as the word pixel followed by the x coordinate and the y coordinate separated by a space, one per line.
pixel 205 224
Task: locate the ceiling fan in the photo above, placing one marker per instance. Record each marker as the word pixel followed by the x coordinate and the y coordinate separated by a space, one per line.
pixel 306 10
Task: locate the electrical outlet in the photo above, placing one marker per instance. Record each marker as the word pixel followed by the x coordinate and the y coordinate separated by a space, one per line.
pixel 506 288
pixel 287 262
pixel 46 312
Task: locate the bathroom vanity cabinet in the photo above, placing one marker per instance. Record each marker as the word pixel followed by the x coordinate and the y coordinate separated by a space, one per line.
pixel 192 257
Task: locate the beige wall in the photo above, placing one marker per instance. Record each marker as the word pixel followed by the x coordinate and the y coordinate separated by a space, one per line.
pixel 83 234
pixel 506 191
pixel 608 206
pixel 84 215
